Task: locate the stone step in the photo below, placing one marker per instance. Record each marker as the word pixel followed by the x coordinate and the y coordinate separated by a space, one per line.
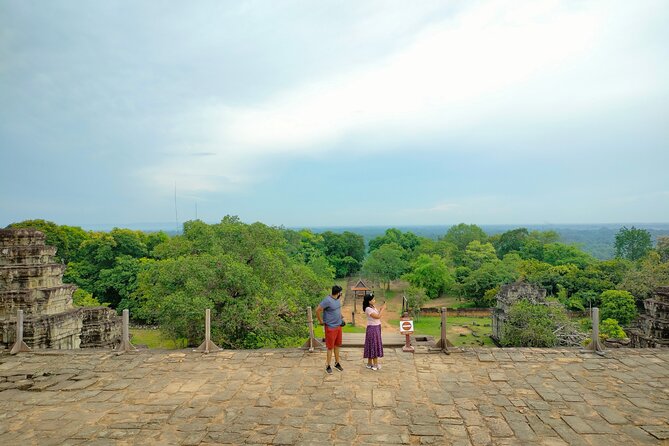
pixel 389 340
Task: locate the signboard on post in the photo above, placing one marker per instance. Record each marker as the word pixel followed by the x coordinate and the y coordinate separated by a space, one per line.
pixel 406 327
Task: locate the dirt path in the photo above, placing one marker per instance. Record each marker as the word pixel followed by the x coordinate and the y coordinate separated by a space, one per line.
pixel 390 313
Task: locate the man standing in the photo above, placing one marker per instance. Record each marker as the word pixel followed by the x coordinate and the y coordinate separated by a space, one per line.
pixel 328 313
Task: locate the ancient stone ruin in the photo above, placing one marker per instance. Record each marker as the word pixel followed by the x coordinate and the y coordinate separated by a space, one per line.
pixel 509 295
pixel 653 327
pixel 30 280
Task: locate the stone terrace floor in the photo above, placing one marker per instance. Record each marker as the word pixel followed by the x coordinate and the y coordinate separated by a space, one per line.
pixel 479 397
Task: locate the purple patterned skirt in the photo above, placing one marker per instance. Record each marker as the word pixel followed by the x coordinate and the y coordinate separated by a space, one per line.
pixel 373 342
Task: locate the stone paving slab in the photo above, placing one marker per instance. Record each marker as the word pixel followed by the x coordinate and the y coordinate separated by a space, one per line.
pixel 284 397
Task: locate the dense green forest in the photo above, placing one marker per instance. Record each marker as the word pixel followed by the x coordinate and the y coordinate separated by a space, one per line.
pixel 258 279
pixel 597 240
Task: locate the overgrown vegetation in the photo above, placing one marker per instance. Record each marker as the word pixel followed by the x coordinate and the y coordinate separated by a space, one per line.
pixel 530 325
pixel 258 279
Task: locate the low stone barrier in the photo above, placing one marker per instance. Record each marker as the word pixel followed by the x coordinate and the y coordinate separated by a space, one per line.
pixel 484 312
pixel 457 312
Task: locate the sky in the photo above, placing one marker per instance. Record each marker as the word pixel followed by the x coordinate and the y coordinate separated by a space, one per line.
pixel 334 113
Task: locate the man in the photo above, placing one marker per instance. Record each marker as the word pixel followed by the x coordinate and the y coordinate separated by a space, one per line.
pixel 328 313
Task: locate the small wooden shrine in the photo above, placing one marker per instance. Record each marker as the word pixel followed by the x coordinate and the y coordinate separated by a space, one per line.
pixel 359 291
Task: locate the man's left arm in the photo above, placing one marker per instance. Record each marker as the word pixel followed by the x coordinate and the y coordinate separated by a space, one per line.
pixel 319 314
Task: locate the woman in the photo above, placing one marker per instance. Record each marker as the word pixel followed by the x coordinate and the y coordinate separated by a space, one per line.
pixel 373 343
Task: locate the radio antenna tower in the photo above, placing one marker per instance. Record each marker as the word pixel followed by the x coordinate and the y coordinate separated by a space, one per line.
pixel 176 215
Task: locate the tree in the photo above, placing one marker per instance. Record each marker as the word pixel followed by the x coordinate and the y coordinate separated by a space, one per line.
pixel 462 235
pixel 477 253
pixel 632 243
pixel 618 305
pixel 345 266
pixel 66 239
pixel 116 284
pixel 407 240
pixel 344 251
pixel 488 276
pixel 532 249
pixel 431 274
pixel 511 241
pixel 256 289
pixel 442 248
pixel 662 247
pixel 646 275
pixel 561 254
pixel 544 237
pixel 321 267
pixel 386 263
pixel 154 239
pixel 304 244
pixel 129 243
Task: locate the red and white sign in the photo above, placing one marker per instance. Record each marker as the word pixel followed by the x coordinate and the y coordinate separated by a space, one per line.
pixel 406 327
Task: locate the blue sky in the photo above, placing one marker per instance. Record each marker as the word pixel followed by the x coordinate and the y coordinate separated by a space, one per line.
pixel 302 113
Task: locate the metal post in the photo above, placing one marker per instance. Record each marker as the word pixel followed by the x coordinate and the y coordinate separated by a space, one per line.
pixel 595 344
pixel 19 345
pixel 207 346
pixel 126 346
pixel 312 342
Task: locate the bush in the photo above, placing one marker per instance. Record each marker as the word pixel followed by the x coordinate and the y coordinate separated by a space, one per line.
pixel 618 305
pixel 416 298
pixel 530 325
pixel 82 298
pixel 587 298
pixel 609 329
pixel 490 297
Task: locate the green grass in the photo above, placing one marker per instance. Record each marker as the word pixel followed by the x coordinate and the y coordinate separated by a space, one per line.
pixel 154 339
pixel 450 302
pixel 431 326
pixel 390 294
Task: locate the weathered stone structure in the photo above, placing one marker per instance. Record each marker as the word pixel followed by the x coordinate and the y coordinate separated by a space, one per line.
pixel 31 281
pixel 653 326
pixel 509 295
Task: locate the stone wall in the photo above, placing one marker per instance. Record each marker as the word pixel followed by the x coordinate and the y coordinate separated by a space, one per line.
pixel 652 328
pixel 457 312
pixel 101 328
pixel 509 295
pixel 30 280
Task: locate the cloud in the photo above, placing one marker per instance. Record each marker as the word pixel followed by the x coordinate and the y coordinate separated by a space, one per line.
pixel 491 69
pixel 437 208
pixel 438 81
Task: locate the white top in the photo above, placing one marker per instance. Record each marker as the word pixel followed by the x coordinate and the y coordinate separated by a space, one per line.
pixel 370 320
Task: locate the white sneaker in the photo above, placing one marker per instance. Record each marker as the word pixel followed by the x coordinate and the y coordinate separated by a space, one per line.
pixel 369 366
pixel 375 368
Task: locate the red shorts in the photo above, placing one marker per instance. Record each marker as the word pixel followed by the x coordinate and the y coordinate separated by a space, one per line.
pixel 332 337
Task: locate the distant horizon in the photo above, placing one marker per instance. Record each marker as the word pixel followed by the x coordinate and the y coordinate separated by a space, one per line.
pixel 158 226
